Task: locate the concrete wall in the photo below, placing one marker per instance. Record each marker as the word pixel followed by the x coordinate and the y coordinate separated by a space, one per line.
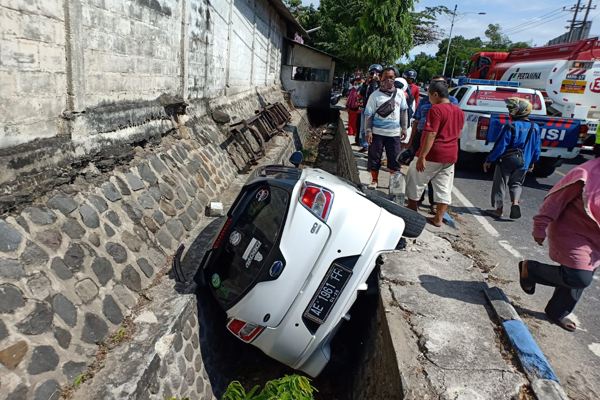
pixel 82 266
pixel 307 93
pixel 88 67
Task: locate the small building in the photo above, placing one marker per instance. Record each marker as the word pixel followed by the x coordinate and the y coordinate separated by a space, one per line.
pixel 307 73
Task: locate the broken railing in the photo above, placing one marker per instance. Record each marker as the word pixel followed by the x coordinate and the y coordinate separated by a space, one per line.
pixel 247 138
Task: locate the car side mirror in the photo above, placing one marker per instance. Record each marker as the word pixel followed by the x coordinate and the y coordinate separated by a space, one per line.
pixel 296 158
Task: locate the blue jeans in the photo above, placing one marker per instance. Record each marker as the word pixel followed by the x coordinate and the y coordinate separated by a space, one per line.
pixel 363 134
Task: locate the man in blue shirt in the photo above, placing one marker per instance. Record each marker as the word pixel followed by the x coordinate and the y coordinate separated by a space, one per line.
pixel 519 143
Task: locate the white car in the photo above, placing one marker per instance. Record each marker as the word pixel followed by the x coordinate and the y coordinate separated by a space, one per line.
pixel 297 246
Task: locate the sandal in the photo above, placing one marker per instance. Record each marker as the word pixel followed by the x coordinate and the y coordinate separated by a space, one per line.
pixel 515 211
pixel 565 323
pixel 432 222
pixel 525 283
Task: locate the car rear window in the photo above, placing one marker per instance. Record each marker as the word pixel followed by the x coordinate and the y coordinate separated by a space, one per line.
pixel 252 236
pixel 494 99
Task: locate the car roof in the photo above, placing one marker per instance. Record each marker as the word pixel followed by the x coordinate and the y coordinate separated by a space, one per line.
pixel 492 87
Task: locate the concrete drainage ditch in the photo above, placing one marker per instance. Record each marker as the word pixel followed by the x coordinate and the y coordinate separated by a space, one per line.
pixel 227 359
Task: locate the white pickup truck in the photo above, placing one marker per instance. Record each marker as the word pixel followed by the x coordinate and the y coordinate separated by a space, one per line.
pixel 485 113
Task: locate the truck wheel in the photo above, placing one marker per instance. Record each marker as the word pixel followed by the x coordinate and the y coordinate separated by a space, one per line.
pixel 544 168
pixel 414 222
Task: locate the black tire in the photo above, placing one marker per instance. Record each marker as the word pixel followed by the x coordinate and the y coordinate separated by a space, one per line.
pixel 414 222
pixel 544 167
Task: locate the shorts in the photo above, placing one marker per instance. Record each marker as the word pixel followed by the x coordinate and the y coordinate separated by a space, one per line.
pixel 440 175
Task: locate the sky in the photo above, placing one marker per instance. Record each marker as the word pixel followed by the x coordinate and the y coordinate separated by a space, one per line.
pixel 535 21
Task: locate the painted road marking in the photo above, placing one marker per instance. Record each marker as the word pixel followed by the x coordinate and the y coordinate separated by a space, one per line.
pixel 476 213
pixel 560 173
pixel 595 348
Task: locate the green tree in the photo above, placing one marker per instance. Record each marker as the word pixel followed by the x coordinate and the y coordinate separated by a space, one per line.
pixel 425 26
pixel 496 39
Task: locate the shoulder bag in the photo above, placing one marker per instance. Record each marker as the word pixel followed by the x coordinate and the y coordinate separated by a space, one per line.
pixel 388 107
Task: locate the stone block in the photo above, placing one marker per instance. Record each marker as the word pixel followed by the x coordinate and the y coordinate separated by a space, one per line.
pixel 65 204
pixel 50 238
pixel 39 285
pixel 38 321
pixel 103 270
pixel 111 192
pixel 65 309
pixel 86 289
pixel 33 255
pixel 73 229
pixel 60 269
pixel 111 310
pixel 113 218
pixel 94 329
pixel 63 337
pixel 11 298
pixel 98 202
pixel 12 355
pixel 72 369
pixel 43 359
pixel 131 278
pixel 10 238
pixel 74 256
pixel 117 252
pixel 135 183
pixel 89 216
pixel 11 269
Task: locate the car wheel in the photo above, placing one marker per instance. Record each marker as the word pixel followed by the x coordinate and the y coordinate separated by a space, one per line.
pixel 413 221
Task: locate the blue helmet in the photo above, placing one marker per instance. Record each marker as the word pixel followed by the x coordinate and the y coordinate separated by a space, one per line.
pixel 376 68
pixel 410 74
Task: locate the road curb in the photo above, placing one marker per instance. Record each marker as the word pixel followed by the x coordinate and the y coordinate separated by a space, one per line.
pixel 544 382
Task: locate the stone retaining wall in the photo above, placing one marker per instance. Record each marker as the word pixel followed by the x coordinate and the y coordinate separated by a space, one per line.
pixel 74 261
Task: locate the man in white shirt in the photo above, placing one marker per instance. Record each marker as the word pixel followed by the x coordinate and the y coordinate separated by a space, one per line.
pixel 384 128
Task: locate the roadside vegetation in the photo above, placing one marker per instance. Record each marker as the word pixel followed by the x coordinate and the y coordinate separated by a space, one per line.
pixel 290 387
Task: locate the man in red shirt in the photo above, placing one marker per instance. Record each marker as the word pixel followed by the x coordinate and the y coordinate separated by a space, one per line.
pixel 437 154
pixel 411 77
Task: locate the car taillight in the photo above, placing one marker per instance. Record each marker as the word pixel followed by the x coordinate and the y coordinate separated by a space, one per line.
pixel 317 199
pixel 482 128
pixel 222 234
pixel 245 331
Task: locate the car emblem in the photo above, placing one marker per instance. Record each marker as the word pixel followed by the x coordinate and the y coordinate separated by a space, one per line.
pixel 215 280
pixel 235 238
pixel 262 195
pixel 276 269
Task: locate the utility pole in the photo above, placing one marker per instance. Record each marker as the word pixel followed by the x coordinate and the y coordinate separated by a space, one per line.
pixel 450 39
pixel 577 27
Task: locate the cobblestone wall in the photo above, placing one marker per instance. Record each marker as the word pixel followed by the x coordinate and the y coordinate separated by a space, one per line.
pixel 73 262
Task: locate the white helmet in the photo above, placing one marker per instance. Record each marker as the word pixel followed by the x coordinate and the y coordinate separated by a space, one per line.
pixel 401 83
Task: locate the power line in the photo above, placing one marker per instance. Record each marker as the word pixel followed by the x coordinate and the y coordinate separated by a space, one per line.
pixel 535 19
pixel 536 25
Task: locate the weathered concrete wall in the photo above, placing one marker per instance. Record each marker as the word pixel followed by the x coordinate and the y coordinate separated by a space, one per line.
pixel 346 165
pixel 74 262
pixel 33 83
pixel 95 69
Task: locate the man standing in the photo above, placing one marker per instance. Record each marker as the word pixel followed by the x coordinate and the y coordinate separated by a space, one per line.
pixel 370 86
pixel 386 120
pixel 411 77
pixel 437 154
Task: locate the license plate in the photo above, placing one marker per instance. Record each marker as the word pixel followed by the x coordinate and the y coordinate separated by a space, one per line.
pixel 329 291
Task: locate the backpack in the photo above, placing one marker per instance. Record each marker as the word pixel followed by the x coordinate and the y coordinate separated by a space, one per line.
pixel 352 103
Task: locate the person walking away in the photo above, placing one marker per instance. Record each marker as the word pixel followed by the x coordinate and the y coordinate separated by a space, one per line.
pixel 418 123
pixel 570 218
pixel 368 88
pixel 386 120
pixel 517 148
pixel 352 106
pixel 411 78
pixel 437 153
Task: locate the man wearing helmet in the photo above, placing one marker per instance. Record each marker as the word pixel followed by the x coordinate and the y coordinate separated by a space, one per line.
pixel 386 121
pixel 411 77
pixel 368 87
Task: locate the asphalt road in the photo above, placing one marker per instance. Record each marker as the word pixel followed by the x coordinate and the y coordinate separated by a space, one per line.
pixel 574 356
